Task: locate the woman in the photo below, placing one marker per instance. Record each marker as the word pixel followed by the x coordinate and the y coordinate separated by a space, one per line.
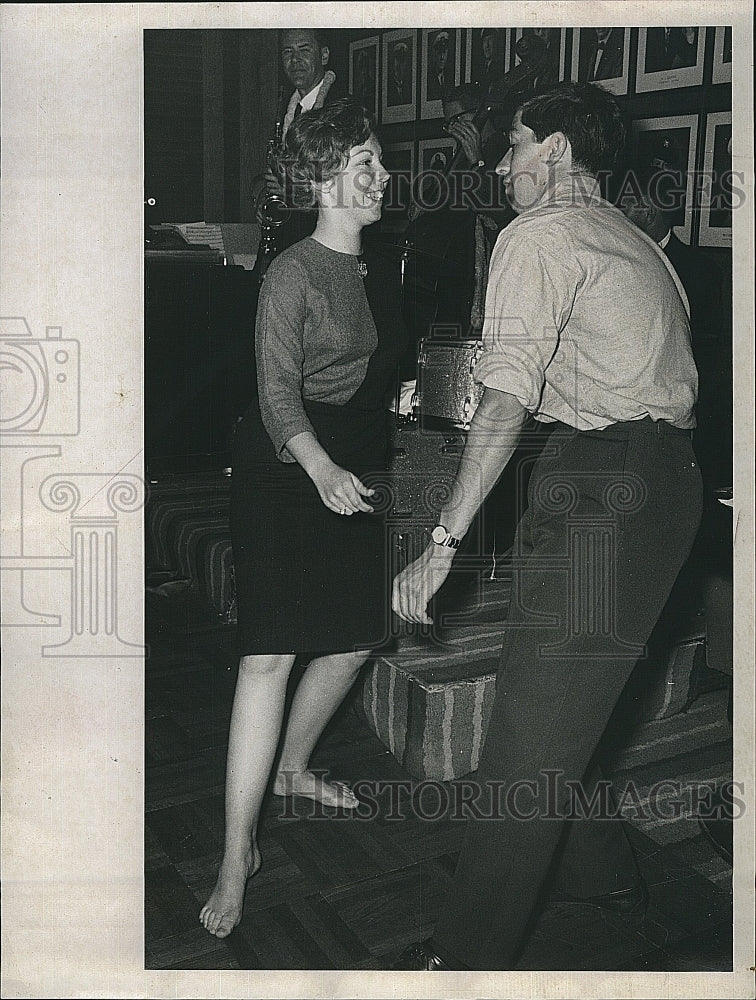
pixel 309 551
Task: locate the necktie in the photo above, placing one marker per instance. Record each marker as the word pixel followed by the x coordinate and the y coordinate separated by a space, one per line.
pixel 297 111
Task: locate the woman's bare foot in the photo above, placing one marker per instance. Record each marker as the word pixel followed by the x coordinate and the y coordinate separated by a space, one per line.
pixel 312 786
pixel 222 912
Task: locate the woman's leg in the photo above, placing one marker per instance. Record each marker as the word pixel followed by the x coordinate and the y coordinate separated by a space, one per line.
pixel 252 742
pixel 321 690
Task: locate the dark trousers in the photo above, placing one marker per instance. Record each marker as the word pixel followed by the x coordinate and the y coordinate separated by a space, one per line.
pixel 611 519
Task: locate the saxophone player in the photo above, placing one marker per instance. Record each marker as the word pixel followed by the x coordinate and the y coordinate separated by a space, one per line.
pixel 304 59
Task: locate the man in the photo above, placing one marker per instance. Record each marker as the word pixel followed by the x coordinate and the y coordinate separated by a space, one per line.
pixel 601 53
pixel 437 81
pixel 304 58
pixel 585 328
pixel 489 69
pixel 482 149
pixel 399 87
pixel 647 206
pixel 709 569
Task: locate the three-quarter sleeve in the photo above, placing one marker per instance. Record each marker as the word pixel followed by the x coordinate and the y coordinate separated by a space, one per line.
pixel 528 302
pixel 279 348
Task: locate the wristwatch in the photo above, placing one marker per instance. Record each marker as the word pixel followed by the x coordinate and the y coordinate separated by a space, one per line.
pixel 443 537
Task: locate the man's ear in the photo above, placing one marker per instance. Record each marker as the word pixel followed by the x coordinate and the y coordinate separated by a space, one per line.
pixel 325 55
pixel 555 146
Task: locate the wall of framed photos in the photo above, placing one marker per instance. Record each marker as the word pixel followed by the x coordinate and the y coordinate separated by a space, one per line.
pixel 673 83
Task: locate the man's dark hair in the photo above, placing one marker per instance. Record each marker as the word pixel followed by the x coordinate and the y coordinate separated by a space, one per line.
pixel 587 115
pixel 469 95
pixel 319 34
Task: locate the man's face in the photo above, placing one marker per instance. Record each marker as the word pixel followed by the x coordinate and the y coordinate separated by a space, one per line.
pixel 303 60
pixel 603 33
pixel 398 64
pixel 488 45
pixel 523 168
pixel 440 55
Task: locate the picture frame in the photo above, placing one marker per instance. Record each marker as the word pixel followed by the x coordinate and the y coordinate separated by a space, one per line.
pixel 364 72
pixel 555 68
pixel 669 58
pixel 716 197
pixel 602 55
pixel 434 156
pixel 486 54
pixel 399 86
pixel 721 67
pixel 399 159
pixel 669 145
pixel 440 63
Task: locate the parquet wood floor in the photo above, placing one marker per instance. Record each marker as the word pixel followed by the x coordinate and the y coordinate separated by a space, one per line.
pixel 342 892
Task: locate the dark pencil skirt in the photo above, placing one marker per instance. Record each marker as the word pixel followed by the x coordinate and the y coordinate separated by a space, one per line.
pixel 308 580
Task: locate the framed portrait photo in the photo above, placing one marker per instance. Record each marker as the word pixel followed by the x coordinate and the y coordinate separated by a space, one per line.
pixel 669 58
pixel 602 56
pixel 553 68
pixel 486 51
pixel 721 68
pixel 399 92
pixel 399 159
pixel 363 72
pixel 435 154
pixel 440 63
pixel 667 146
pixel 717 195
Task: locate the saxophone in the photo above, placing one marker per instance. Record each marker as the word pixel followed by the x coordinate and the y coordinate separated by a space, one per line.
pixel 272 210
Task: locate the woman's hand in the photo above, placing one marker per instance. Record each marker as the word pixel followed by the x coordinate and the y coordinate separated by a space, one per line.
pixel 340 490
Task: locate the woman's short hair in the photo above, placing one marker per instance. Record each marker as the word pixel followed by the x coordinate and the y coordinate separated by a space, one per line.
pixel 587 115
pixel 318 144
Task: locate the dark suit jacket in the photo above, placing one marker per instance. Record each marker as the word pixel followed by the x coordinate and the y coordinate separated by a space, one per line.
pixel 396 96
pixel 610 63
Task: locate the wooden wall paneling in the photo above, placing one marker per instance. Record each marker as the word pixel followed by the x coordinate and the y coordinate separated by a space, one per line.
pixel 212 116
pixel 259 99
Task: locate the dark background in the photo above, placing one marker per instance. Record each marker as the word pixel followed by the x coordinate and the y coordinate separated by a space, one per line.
pixel 211 99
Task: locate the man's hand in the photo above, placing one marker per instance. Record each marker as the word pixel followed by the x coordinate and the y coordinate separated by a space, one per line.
pixel 270 188
pixel 468 137
pixel 419 581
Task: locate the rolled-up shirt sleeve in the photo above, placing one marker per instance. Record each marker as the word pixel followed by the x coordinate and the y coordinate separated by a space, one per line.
pixel 279 350
pixel 528 302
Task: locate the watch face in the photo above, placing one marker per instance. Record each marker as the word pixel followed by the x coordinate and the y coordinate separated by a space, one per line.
pixel 439 534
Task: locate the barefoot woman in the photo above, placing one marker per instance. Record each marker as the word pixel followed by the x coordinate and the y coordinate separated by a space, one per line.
pixel 308 549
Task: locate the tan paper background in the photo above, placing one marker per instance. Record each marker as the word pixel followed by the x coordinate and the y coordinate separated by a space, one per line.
pixel 71 255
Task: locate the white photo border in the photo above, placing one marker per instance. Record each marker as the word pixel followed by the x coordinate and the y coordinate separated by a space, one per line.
pixel 708 235
pixel 721 71
pixel 618 85
pixel 684 232
pixel 398 112
pixel 669 79
pixel 434 108
pixel 373 42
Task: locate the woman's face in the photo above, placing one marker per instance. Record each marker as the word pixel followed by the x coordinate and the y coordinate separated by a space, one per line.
pixel 359 187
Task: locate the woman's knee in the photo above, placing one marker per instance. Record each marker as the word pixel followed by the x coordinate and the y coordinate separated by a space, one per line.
pixel 265 665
